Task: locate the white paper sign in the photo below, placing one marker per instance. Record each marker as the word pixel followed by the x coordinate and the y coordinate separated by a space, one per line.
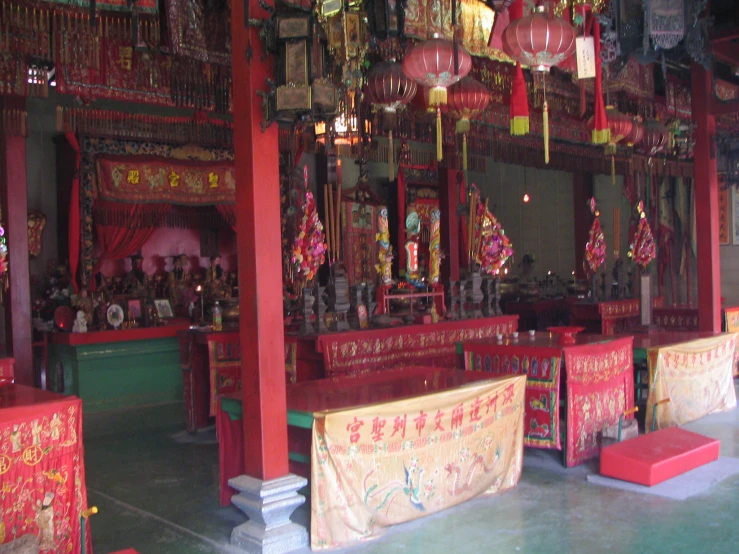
pixel 585 51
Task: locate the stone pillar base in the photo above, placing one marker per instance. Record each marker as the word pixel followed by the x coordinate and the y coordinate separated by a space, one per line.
pixel 269 505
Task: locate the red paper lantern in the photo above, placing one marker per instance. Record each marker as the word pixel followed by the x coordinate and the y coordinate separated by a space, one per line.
pixel 656 137
pixel 431 64
pixel 390 88
pixel 539 40
pixel 466 99
pixel 636 135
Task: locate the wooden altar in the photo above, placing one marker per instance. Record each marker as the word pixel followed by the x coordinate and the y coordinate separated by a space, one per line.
pixel 609 317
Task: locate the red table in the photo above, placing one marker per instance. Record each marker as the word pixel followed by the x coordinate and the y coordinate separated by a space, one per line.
pixel 676 318
pixel 609 317
pixel 326 394
pixel 42 465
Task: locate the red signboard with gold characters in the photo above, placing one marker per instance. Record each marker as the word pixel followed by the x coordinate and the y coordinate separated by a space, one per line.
pixel 42 471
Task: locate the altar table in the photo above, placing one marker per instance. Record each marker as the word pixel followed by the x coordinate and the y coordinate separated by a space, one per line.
pixel 42 469
pixel 542 359
pixel 697 377
pixel 304 399
pixel 609 317
pixel 406 345
pixel 111 370
pixel 676 318
pixel 538 314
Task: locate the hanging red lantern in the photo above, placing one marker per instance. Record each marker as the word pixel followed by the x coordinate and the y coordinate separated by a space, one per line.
pixel 541 42
pixel 466 99
pixel 656 137
pixel 432 64
pixel 619 127
pixel 636 135
pixel 390 89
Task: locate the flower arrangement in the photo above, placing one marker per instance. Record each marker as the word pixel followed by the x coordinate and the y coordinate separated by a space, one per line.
pixel 56 290
pixel 642 250
pixel 595 249
pixel 309 247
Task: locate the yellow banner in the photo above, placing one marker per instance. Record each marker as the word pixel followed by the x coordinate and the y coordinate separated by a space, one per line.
pixel 384 464
pixel 697 378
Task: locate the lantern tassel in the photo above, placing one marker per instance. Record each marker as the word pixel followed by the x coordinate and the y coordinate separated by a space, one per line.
pixel 439 148
pixel 545 123
pixel 613 170
pixel 519 105
pixel 464 152
pixel 390 156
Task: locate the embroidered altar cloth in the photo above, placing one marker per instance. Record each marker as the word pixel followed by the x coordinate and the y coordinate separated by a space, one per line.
pixel 383 464
pixel 697 378
pixel 42 469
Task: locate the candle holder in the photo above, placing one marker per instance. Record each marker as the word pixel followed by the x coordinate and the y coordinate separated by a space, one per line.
pixel 199 290
pixel 306 327
pixel 451 299
pixel 321 310
pixel 486 308
pixel 496 296
pixel 475 293
pixel 370 298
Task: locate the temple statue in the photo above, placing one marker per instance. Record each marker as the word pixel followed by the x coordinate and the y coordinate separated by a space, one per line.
pixel 136 281
pixel 178 280
pixel 215 279
pixel 413 230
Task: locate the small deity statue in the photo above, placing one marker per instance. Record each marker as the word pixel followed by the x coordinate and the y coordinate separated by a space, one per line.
pixel 413 230
pixel 136 281
pixel 80 324
pixel 83 303
pixel 178 279
pixel 435 247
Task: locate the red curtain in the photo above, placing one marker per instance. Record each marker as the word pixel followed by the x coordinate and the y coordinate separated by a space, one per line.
pixel 228 212
pixel 121 242
pixel 74 214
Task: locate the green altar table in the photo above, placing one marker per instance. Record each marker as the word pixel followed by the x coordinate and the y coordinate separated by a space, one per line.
pixel 112 370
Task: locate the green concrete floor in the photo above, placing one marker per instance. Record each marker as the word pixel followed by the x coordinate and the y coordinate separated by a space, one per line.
pixel 161 497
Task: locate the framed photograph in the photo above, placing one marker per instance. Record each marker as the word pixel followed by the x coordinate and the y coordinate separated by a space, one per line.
pixel 295 26
pixel 164 308
pixel 296 63
pixel 294 98
pixel 134 309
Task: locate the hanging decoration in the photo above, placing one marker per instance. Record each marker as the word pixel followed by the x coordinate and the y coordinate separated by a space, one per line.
pixel 601 130
pixel 595 249
pixel 541 42
pixel 467 99
pixel 385 251
pixel 619 127
pixel 437 64
pixel 309 246
pixel 435 254
pixel 519 101
pixel 636 134
pixel 390 90
pixel 665 20
pixel 656 137
pixel 643 249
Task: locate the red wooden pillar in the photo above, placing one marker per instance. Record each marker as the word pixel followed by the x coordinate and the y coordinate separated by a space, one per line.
pixel 705 171
pixel 258 241
pixel 582 192
pixel 15 215
pixel 448 200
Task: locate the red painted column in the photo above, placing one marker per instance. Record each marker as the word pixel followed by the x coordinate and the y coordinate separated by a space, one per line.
pixel 705 171
pixel 582 191
pixel 15 216
pixel 258 244
pixel 449 223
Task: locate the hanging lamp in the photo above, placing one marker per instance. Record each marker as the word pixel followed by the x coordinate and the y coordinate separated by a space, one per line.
pixel 432 64
pixel 390 89
pixel 540 41
pixel 466 98
pixel 656 137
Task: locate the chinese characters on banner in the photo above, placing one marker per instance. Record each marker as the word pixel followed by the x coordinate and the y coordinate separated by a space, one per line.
pixel 695 376
pixel 383 464
pixel 724 224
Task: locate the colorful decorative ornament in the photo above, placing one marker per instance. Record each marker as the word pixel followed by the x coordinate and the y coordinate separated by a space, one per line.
pixel 432 64
pixel 656 137
pixel 466 98
pixel 385 249
pixel 309 246
pixel 390 89
pixel 435 254
pixel 643 249
pixel 619 127
pixel 595 249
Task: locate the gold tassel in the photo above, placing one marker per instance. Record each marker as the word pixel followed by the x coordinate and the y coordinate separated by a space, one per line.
pixel 545 122
pixel 464 152
pixel 613 170
pixel 390 156
pixel 439 145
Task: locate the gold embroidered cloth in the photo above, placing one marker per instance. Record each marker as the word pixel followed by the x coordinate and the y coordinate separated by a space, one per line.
pixel 697 378
pixel 383 464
